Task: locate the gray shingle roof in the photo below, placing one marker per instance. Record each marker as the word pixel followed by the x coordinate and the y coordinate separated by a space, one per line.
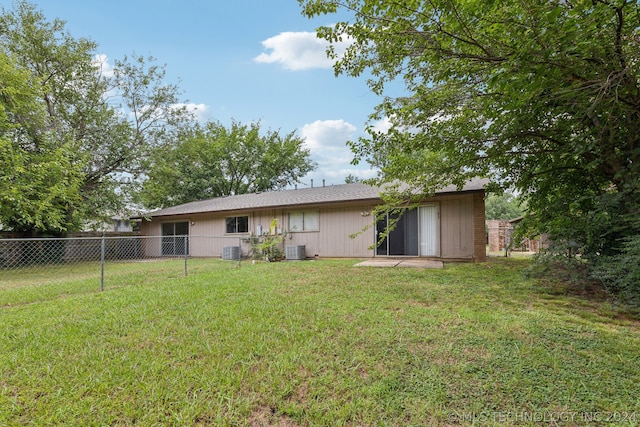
pixel 298 197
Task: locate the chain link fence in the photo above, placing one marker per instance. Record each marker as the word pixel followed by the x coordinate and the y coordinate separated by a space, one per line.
pixel 97 262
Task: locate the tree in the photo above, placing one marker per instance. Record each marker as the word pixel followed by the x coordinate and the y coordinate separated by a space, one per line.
pixel 33 183
pixel 212 160
pixel 94 123
pixel 502 206
pixel 350 179
pixel 542 96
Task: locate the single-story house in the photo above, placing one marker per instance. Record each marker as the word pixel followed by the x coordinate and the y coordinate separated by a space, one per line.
pixel 449 226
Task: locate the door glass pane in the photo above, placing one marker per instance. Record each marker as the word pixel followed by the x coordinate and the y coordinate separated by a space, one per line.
pixel 396 237
pixel 167 229
pixel 167 246
pixel 411 232
pixel 381 225
pixel 181 244
pixel 172 245
pixel 403 240
pixel 182 229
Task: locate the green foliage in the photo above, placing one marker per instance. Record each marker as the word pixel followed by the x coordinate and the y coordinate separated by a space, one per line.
pixel 80 132
pixel 36 188
pixel 543 97
pixel 621 273
pixel 350 179
pixel 36 183
pixel 502 206
pixel 212 160
pixel 268 247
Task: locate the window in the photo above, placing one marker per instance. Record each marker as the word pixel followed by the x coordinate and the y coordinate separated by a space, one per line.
pixel 237 224
pixel 122 225
pixel 304 221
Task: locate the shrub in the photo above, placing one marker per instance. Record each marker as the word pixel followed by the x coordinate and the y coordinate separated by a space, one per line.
pixel 620 273
pixel 268 247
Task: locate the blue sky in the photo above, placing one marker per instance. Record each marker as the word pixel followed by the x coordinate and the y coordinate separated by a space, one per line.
pixel 248 60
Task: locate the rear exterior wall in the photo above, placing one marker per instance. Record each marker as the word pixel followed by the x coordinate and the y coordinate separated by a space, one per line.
pixel 460 236
pixel 208 237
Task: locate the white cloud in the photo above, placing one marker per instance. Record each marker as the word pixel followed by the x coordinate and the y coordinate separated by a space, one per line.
pixel 298 51
pixel 382 125
pixel 332 135
pixel 101 62
pixel 327 141
pixel 199 111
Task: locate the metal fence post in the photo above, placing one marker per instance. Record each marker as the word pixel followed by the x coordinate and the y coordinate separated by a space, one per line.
pixel 240 251
pixel 185 254
pixel 102 264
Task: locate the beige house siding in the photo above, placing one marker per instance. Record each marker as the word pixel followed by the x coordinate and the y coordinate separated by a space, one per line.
pixel 151 247
pixel 456 225
pixel 331 240
pixel 207 236
pixel 460 228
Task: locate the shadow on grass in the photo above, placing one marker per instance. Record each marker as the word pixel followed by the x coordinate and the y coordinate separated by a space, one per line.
pixel 556 279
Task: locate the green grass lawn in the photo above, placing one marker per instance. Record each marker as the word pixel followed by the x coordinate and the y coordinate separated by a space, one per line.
pixel 316 343
pixel 42 282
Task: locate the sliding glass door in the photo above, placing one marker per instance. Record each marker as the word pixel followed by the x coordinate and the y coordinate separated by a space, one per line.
pixel 175 238
pixel 415 233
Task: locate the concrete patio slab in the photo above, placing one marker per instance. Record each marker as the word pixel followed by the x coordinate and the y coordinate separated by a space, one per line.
pixel 408 263
pixel 379 263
